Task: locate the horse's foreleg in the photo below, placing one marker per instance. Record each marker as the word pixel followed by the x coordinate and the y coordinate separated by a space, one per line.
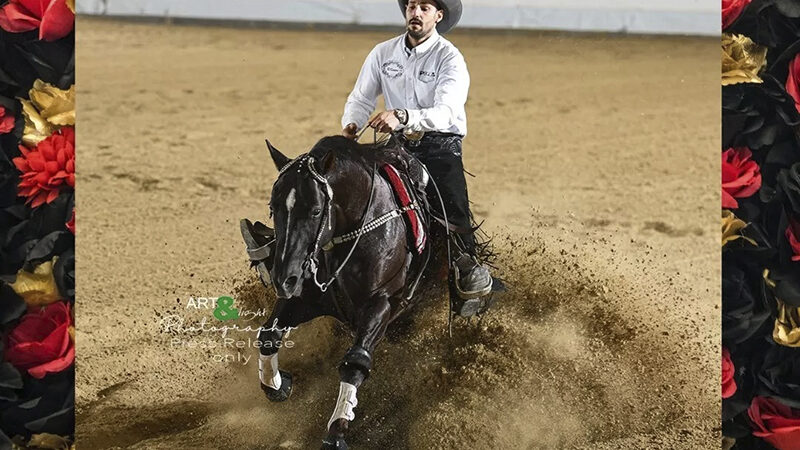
pixel 355 368
pixel 276 383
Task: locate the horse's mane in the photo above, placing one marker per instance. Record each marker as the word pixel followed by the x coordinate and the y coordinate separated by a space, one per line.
pixel 385 151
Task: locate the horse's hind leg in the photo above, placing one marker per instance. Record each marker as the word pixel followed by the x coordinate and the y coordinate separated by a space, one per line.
pixel 287 314
pixel 355 367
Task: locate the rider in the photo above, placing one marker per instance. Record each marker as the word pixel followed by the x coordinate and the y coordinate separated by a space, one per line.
pixel 424 81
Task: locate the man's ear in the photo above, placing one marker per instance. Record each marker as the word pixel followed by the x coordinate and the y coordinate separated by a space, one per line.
pixel 278 158
pixel 440 15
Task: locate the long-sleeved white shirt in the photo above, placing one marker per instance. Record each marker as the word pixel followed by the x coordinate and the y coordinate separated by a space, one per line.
pixel 430 81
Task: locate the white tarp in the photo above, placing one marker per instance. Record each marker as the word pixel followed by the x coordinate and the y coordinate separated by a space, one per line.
pixel 697 17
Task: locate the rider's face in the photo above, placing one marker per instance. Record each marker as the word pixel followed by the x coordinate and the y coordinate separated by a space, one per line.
pixel 421 17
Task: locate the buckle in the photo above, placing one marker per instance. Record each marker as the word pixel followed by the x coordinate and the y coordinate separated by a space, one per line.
pixel 413 138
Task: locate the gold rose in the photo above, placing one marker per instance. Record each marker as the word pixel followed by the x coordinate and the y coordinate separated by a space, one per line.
pixel 731 226
pixel 38 288
pixel 742 59
pixel 36 127
pixel 787 323
pixel 49 109
pixel 49 441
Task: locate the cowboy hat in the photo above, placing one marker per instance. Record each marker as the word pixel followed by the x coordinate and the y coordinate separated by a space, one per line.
pixel 452 13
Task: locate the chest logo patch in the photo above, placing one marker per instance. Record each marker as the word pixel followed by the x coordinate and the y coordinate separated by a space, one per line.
pixel 426 76
pixel 392 69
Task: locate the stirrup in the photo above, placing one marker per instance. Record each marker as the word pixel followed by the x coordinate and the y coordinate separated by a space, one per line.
pixel 469 295
pixel 477 306
pixel 260 242
pixel 473 263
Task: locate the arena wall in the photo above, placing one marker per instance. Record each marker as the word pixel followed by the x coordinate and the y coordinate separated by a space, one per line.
pixel 692 17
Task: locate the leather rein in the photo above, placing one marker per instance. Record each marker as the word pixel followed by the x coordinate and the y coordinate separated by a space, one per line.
pixel 311 261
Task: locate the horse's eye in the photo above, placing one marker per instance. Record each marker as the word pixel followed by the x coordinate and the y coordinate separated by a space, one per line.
pixel 316 212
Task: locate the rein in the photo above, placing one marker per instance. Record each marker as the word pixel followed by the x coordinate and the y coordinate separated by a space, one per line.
pixel 311 262
pixel 372 225
pixel 311 258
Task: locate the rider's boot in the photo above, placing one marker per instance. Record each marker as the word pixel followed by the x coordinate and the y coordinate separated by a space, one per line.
pixel 260 242
pixel 472 278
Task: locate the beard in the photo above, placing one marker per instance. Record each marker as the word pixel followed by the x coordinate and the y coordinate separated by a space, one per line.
pixel 417 33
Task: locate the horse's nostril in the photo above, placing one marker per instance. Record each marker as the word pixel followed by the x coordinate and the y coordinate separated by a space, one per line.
pixel 290 283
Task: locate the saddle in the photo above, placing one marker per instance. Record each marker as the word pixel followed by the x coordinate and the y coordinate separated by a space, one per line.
pixel 409 181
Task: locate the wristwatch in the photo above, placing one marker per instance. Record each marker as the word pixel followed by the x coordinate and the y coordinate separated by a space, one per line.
pixel 402 116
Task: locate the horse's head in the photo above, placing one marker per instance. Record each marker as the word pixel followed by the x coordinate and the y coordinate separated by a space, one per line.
pixel 300 207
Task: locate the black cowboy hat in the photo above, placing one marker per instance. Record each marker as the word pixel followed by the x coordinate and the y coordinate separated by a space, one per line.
pixel 452 13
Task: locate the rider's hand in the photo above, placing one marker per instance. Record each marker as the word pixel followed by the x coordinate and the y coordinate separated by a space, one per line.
pixel 350 131
pixel 385 122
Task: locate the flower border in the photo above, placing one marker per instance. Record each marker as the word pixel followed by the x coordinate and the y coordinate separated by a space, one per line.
pixel 760 181
pixel 37 224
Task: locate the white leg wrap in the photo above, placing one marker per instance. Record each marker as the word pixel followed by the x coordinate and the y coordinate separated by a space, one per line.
pixel 344 404
pixel 268 371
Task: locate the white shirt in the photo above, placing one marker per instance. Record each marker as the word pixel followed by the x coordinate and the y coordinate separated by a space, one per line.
pixel 430 81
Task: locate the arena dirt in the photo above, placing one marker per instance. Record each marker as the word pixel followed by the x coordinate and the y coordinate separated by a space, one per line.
pixel 596 171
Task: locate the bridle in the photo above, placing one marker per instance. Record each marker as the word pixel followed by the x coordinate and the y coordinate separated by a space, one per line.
pixel 311 262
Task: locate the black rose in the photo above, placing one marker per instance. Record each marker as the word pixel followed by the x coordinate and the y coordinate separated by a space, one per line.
pixel 44 405
pixel 64 273
pixel 772 23
pixel 30 237
pixel 24 58
pixel 758 115
pixel 780 375
pixel 744 310
pixel 746 358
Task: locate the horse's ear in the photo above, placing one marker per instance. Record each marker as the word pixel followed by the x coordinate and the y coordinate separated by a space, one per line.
pixel 328 161
pixel 278 158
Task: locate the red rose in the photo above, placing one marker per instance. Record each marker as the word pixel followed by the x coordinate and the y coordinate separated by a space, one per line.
pixel 71 224
pixel 792 234
pixel 741 177
pixel 775 422
pixel 41 342
pixel 53 18
pixel 731 9
pixel 728 383
pixel 793 81
pixel 6 121
pixel 47 168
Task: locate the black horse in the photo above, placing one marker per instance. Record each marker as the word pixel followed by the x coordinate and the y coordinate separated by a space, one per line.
pixel 341 248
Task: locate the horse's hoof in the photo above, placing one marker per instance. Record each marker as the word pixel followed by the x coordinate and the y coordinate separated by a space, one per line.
pixel 279 395
pixel 331 443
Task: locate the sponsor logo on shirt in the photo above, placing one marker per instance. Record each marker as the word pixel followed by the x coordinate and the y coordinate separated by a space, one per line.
pixel 426 77
pixel 392 69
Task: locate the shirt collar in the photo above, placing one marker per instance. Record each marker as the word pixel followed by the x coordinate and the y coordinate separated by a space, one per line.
pixel 425 46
